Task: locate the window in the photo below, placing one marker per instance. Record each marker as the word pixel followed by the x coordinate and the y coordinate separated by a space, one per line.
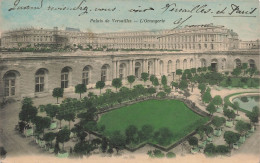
pixel 150 64
pixel 39 81
pixel 9 84
pixel 169 67
pixel 65 77
pixel 122 71
pixel 104 73
pixel 85 75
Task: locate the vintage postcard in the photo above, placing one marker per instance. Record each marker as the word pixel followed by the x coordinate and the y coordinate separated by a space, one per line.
pixel 129 81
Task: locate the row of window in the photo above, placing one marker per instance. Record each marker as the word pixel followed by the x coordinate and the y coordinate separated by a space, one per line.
pixel 41 75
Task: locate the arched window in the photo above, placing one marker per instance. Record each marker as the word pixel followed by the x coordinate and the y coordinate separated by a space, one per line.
pixel 104 73
pixel 191 63
pixel 40 80
pixel 150 67
pixel 203 63
pixel 86 75
pixel 237 63
pixel 252 63
pixel 169 66
pixel 137 69
pixel 161 67
pixel 65 76
pixel 122 71
pixel 9 84
pixel 184 64
pixel 177 64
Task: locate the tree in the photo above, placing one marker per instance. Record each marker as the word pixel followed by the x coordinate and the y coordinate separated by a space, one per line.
pixel 163 136
pixel 242 127
pixel 131 134
pixel 167 89
pixel 206 97
pixel 117 83
pixel 231 137
pixel 28 113
pixel 174 84
pixel 155 82
pixel 202 87
pixel 80 88
pixel 193 141
pixel 208 130
pixel 100 85
pixel 164 80
pixel 57 92
pixel 146 132
pixel 218 121
pixel 253 116
pixel 186 94
pixel 104 144
pixel 131 80
pixel 179 72
pixel 152 77
pixel 51 110
pixel 60 117
pixel 229 113
pixel 118 140
pixel 236 72
pixel 183 85
pixel 63 136
pixel 42 123
pixel 69 117
pixel 193 70
pixel 144 76
pixel 27 101
pixel 151 90
pixel 217 100
pixel 49 137
pixel 236 106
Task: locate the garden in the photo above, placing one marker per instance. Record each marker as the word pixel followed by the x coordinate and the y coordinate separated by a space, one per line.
pixel 133 116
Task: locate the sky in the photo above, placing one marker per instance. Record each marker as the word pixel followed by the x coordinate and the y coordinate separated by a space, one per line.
pixel 246 25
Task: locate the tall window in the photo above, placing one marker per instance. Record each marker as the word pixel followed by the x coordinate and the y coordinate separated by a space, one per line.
pixel 39 80
pixel 122 71
pixel 9 84
pixel 85 75
pixel 65 77
pixel 169 67
pixel 150 64
pixel 177 66
pixel 104 73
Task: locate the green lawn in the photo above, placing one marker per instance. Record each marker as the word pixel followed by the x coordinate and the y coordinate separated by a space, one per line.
pixel 172 114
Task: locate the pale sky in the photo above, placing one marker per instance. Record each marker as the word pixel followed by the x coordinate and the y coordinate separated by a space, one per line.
pixel 247 27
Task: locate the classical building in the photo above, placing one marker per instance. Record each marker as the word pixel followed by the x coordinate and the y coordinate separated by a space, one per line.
pixel 249 44
pixel 36 74
pixel 190 38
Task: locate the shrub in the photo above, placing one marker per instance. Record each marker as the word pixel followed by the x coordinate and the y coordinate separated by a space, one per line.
pixel 210 149
pixel 222 149
pixel 161 94
pixel 170 155
pixel 244 99
pixel 157 153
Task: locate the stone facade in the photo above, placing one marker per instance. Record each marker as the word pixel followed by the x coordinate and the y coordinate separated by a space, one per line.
pixel 36 74
pixel 190 38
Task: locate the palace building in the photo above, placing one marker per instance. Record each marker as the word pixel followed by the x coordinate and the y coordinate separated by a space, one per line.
pixel 196 38
pixel 37 74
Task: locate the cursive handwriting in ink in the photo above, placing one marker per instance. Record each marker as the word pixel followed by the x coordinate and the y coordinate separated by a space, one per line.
pixel 180 21
pixel 28 7
pixel 237 10
pixel 202 9
pixel 141 10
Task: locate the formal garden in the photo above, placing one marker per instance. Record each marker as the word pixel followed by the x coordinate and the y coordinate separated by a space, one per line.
pixel 157 112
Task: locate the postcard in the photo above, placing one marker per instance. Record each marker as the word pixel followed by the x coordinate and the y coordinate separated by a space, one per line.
pixel 129 81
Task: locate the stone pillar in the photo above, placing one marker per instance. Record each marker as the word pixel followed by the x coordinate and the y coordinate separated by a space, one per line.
pixel 114 69
pixel 117 69
pixel 130 70
pixel 133 70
